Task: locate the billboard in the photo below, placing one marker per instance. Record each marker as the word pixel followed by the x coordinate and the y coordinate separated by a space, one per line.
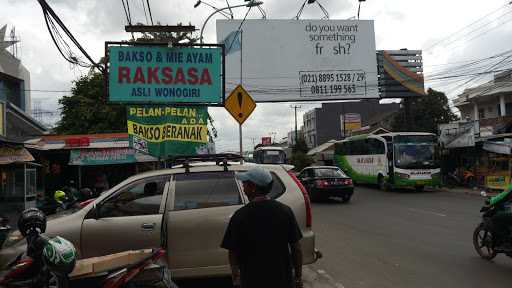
pixel 156 74
pixel 301 60
pixel 266 140
pixel 458 134
pixel 163 131
pixel 350 122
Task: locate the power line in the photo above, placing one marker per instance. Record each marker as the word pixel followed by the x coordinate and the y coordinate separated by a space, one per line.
pixel 144 8
pixel 462 29
pixel 150 14
pixel 50 15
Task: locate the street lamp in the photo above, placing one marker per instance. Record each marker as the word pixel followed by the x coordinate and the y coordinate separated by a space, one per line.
pixel 252 3
pixel 199 2
pixel 359 9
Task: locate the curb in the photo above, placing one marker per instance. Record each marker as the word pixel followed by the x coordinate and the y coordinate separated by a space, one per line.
pixel 471 192
pixel 318 279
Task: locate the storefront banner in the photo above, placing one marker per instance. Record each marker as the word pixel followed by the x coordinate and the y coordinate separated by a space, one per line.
pixel 497 182
pixel 150 74
pixel 163 131
pixel 9 154
pixel 105 156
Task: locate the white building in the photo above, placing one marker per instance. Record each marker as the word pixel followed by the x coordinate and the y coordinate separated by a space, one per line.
pixel 489 103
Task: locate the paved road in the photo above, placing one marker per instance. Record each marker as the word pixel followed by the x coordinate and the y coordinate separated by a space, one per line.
pixel 405 239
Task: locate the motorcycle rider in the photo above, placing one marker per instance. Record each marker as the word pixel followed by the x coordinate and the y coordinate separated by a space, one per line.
pixel 502 220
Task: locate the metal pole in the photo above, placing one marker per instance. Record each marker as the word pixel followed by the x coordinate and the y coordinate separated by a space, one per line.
pixel 241 81
pixel 241 148
pixel 358 10
pixel 296 134
pixel 79 177
pixel 211 15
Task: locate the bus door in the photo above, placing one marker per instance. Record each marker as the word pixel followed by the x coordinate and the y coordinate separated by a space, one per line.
pixel 390 158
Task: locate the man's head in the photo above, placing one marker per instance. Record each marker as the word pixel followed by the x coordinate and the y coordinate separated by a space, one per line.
pixel 257 182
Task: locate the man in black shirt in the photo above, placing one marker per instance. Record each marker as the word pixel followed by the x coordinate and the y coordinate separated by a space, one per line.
pixel 263 238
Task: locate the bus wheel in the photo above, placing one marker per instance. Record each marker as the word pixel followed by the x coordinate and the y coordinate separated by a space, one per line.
pixel 382 184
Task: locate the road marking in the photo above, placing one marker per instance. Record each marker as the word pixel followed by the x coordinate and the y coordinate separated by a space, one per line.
pixel 427 212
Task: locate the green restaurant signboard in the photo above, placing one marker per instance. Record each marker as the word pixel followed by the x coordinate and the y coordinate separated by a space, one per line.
pixel 164 131
pixel 156 74
pixel 102 156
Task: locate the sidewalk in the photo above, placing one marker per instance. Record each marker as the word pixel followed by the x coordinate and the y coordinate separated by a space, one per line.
pixel 467 191
pixel 318 279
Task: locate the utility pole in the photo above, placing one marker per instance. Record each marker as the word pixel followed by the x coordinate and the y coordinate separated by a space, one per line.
pixel 295 107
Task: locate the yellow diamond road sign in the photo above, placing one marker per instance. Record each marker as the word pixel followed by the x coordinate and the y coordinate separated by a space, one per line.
pixel 239 104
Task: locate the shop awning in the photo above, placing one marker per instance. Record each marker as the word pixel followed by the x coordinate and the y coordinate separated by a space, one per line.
pixel 13 154
pixel 107 156
pixel 498 147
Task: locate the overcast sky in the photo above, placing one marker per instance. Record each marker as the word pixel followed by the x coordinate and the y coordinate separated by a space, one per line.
pixel 412 24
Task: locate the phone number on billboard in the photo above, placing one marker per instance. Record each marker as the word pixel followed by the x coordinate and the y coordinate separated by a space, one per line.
pixel 334 89
pixel 332 83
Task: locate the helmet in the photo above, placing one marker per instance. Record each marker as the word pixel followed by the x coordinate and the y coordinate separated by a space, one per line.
pixel 59 195
pixel 59 255
pixel 32 219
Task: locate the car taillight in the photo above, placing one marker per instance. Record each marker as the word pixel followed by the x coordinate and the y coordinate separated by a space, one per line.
pixel 348 182
pixel 309 216
pixel 321 183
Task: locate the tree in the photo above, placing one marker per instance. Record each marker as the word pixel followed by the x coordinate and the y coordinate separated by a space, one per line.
pixel 423 114
pixel 87 111
pixel 172 37
pixel 300 158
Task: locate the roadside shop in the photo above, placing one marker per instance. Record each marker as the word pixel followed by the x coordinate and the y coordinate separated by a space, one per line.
pixel 95 161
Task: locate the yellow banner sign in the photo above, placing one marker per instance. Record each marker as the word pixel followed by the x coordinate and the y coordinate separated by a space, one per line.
pixel 169 131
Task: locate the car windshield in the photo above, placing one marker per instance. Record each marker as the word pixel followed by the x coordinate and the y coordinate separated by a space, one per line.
pixel 415 156
pixel 329 172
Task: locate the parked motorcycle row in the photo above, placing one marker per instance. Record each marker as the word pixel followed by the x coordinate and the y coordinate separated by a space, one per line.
pixel 52 262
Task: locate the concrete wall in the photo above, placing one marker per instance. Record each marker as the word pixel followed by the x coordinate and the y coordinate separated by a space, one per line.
pixel 16 74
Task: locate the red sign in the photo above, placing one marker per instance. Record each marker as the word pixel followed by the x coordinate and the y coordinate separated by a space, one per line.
pixel 77 142
pixel 266 140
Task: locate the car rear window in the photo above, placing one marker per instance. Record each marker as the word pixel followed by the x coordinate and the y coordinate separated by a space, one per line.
pixel 329 172
pixel 206 190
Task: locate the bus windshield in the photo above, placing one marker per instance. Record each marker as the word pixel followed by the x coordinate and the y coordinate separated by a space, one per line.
pixel 273 157
pixel 415 156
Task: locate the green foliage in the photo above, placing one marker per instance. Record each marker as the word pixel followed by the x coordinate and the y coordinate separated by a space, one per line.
pixel 165 36
pixel 300 146
pixel 425 113
pixel 300 159
pixel 86 110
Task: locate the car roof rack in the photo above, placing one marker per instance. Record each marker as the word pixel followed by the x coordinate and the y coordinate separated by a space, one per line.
pixel 219 159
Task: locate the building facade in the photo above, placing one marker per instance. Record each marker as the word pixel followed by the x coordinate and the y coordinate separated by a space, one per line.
pixel 326 123
pixel 489 103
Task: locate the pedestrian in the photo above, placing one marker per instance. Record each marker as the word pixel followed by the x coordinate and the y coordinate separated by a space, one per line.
pixel 263 238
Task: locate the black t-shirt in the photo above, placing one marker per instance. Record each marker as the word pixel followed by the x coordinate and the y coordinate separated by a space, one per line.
pixel 260 233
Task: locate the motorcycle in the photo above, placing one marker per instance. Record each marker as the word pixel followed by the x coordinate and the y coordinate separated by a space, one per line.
pixel 49 261
pixel 485 241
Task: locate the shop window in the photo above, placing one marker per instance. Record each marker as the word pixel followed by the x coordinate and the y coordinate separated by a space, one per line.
pixel 143 197
pixel 206 190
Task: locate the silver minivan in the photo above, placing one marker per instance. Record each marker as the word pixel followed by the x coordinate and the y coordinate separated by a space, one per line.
pixel 190 207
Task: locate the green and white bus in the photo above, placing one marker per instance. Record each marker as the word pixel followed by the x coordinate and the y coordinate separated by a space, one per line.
pixel 391 160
